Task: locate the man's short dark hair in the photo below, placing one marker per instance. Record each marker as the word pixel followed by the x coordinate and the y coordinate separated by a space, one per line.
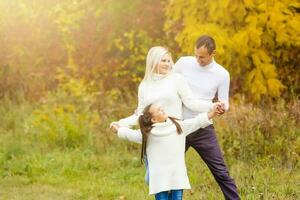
pixel 207 42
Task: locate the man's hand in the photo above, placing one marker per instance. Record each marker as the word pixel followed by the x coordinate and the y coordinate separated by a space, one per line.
pixel 114 127
pixel 219 108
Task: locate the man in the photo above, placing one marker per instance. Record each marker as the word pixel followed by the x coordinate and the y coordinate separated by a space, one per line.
pixel 207 78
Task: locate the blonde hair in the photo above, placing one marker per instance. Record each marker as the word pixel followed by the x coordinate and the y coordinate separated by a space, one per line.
pixel 154 56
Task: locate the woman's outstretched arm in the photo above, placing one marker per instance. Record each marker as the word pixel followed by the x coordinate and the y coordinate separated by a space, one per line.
pixel 188 98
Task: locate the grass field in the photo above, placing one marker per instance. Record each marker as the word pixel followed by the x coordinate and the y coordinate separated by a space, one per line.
pixel 262 154
pixel 117 173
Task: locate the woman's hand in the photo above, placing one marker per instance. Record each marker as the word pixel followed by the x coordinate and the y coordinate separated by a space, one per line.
pixel 114 127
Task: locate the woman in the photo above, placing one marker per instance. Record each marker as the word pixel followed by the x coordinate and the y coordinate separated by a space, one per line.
pixel 167 170
pixel 164 88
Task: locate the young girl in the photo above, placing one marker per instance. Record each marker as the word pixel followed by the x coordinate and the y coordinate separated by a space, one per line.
pixel 163 141
pixel 160 86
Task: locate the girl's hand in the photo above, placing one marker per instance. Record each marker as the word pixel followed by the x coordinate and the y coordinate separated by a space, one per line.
pixel 114 127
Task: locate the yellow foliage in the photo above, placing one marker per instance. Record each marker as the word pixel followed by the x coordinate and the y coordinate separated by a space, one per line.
pixel 274 83
pixel 249 34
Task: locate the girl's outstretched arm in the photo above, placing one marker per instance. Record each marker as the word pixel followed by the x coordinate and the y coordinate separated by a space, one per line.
pixel 130 134
pixel 190 125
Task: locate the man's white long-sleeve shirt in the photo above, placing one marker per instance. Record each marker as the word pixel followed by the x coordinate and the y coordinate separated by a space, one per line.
pixel 204 81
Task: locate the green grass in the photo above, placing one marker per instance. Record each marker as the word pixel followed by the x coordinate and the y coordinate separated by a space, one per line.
pixel 116 173
pixel 261 146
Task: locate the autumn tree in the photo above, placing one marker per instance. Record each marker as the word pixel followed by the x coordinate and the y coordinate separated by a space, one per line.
pixel 255 39
pixel 106 41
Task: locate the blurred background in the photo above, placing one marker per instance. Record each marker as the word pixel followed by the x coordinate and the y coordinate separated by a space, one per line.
pixel 68 68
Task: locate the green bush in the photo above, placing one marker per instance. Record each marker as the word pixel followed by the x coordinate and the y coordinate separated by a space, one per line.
pixel 65 118
pixel 248 132
pixel 13 113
